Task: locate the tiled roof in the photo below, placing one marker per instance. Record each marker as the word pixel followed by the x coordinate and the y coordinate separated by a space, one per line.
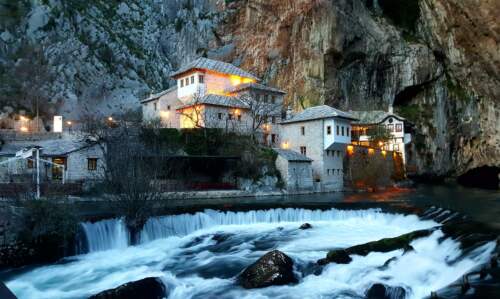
pixel 52 147
pixel 318 112
pixel 373 116
pixel 290 155
pixel 158 95
pixel 216 66
pixel 256 86
pixel 217 100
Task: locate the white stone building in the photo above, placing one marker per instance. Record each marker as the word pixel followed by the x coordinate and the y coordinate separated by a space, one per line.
pixel 369 121
pixel 321 133
pixel 215 94
pixel 295 169
pixel 83 161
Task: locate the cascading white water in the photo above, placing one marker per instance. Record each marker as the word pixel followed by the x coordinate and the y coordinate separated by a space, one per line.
pixel 112 234
pixel 194 264
pixel 106 234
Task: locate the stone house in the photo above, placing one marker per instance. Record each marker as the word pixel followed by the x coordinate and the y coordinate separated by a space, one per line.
pixel 321 133
pixel 295 170
pixel 83 161
pixel 215 94
pixel 368 121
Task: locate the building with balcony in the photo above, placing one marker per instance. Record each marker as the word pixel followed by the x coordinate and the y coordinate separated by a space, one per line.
pixel 384 130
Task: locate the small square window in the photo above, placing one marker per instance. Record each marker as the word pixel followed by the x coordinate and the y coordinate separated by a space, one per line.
pixel 273 119
pixel 30 164
pixel 219 115
pixel 303 130
pixel 303 150
pixel 347 131
pixel 201 79
pixel 239 117
pixel 229 116
pixel 155 106
pixel 92 164
pixel 182 82
pixel 273 138
pixel 399 127
pixel 187 81
pixel 342 130
pixel 338 130
pixel 329 130
pixel 192 79
pixel 168 107
pixel 273 99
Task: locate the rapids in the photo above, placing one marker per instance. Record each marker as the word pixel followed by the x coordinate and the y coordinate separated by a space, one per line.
pixel 182 251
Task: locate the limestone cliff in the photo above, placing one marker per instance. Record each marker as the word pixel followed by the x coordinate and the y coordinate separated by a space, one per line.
pixel 436 61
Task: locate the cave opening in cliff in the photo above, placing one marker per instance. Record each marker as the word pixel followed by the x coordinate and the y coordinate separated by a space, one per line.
pixel 406 95
pixel 486 177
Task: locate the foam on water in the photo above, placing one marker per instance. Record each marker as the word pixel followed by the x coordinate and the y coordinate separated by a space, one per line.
pixel 194 265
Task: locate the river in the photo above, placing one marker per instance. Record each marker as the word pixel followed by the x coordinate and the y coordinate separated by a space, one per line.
pixel 199 255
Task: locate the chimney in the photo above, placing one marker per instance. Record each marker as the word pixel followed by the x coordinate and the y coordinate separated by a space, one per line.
pixel 289 113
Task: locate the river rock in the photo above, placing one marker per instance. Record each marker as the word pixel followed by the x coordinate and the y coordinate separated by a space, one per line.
pixel 146 288
pixel 305 226
pixel 382 245
pixel 273 268
pixel 381 291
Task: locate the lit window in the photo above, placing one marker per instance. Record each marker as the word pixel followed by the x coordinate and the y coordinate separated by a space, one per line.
pixel 92 164
pixel 342 130
pixel 303 130
pixel 399 127
pixel 192 79
pixel 329 130
pixel 200 78
pixel 303 150
pixel 338 130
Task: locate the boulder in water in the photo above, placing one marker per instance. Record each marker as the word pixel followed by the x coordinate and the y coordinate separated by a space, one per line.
pixel 339 257
pixel 273 268
pixel 305 226
pixel 381 291
pixel 147 288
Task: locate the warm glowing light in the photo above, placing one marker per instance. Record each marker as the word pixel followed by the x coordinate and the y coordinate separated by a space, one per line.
pixel 371 151
pixel 23 118
pixel 237 111
pixel 380 143
pixel 384 153
pixel 237 80
pixel 164 114
pixel 69 123
pixel 350 149
pixel 285 145
pixel 24 129
pixel 110 118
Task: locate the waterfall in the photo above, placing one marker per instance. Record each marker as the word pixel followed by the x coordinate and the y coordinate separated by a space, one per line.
pixel 106 234
pixel 181 225
pixel 113 234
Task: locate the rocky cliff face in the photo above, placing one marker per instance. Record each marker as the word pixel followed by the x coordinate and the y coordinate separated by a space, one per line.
pixel 436 61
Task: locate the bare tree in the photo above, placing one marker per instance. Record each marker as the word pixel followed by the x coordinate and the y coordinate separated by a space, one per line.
pixel 261 112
